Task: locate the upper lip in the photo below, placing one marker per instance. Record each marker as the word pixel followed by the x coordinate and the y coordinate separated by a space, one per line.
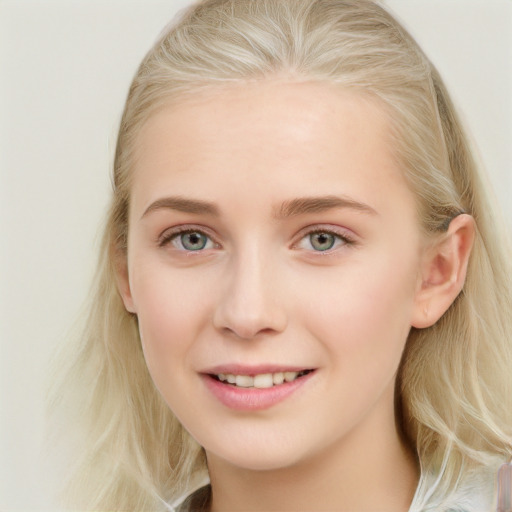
pixel 238 369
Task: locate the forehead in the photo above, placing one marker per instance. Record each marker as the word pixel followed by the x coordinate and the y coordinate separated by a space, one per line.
pixel 277 136
pixel 287 111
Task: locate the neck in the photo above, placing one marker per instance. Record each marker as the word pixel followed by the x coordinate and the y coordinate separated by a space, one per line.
pixel 368 470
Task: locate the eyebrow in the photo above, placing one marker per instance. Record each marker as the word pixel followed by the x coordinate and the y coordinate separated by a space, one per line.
pixel 304 205
pixel 182 204
pixel 291 208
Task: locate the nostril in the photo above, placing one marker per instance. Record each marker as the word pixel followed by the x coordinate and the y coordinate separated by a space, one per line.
pixel 246 332
pixel 246 324
pixel 247 311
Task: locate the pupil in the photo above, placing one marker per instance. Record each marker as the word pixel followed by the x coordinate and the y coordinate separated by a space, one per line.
pixel 322 241
pixel 193 241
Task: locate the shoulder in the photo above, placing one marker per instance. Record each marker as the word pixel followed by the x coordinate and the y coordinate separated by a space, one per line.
pixel 196 496
pixel 475 492
pixel 197 501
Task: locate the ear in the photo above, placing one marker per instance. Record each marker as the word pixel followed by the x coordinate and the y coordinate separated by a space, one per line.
pixel 123 279
pixel 443 272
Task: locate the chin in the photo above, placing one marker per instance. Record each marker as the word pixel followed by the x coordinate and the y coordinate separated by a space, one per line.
pixel 257 462
pixel 251 455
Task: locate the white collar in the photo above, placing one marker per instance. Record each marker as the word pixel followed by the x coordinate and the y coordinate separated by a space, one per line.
pixel 475 494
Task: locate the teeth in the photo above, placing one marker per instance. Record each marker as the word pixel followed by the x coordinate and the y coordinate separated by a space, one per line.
pixel 244 381
pixel 261 381
pixel 278 378
pixel 290 376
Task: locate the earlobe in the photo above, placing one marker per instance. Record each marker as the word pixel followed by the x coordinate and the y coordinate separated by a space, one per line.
pixel 123 281
pixel 443 272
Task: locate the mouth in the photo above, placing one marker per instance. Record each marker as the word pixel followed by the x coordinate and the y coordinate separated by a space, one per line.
pixel 256 388
pixel 261 380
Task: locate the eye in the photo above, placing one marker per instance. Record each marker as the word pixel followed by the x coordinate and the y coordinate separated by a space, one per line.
pixel 190 240
pixel 193 241
pixel 322 241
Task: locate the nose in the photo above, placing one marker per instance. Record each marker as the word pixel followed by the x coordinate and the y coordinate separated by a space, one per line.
pixel 251 304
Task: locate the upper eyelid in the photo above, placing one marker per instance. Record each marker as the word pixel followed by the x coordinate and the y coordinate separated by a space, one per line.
pixel 326 228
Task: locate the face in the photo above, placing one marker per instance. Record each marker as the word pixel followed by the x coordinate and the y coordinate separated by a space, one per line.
pixel 273 264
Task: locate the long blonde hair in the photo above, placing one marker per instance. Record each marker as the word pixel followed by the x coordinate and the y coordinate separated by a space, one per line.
pixel 454 404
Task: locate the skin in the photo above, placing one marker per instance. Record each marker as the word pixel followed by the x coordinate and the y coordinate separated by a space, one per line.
pixel 261 293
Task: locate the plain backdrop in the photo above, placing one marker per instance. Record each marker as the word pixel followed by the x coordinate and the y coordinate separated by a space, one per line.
pixel 65 69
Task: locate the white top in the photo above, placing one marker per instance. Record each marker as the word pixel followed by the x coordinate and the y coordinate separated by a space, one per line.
pixel 477 493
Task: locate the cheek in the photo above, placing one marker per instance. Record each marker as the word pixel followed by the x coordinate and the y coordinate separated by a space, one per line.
pixel 170 314
pixel 364 313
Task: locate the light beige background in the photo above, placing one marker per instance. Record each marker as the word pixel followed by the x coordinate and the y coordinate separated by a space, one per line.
pixel 65 68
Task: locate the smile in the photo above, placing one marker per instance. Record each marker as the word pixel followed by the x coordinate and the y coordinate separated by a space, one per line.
pixel 260 381
pixel 252 390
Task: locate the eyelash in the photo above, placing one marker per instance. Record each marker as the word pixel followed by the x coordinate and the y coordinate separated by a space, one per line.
pixel 341 236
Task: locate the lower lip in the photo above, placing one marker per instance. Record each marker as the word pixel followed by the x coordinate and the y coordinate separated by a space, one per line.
pixel 253 399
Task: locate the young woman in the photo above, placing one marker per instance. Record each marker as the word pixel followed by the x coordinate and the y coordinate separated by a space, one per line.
pixel 303 300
